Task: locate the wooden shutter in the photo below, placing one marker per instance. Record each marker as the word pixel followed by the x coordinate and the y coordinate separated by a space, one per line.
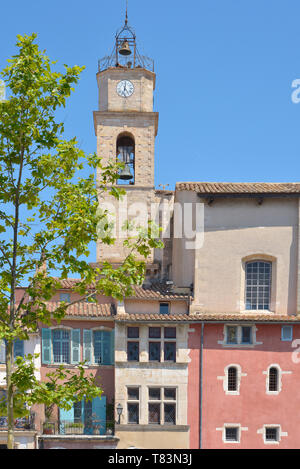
pixel 87 346
pixel 75 347
pixel 46 346
pixel 99 409
pixel 106 347
pixel 18 348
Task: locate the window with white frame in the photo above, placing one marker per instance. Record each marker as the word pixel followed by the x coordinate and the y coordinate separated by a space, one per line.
pixel 232 378
pixel 162 344
pixel 162 406
pixel 61 346
pixel 271 434
pixel 258 285
pixel 232 434
pixel 287 333
pixel 273 379
pixel 239 335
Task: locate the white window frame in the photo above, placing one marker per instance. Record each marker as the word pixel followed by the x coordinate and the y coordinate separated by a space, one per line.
pixel 224 378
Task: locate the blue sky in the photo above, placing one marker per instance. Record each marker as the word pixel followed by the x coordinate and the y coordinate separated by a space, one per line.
pixel 224 74
pixel 224 78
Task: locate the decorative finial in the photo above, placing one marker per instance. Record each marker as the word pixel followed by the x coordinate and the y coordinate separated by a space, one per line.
pixel 126 17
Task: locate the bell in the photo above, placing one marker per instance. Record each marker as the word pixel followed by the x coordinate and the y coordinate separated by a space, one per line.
pixel 125 174
pixel 124 48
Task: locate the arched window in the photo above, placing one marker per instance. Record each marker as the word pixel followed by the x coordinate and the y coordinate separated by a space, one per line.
pixel 258 285
pixel 232 379
pixel 126 154
pixel 273 379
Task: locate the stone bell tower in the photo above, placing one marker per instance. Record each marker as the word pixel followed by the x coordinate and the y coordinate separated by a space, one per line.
pixel 126 127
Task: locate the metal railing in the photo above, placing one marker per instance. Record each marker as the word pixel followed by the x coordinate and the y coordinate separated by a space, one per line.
pixel 78 427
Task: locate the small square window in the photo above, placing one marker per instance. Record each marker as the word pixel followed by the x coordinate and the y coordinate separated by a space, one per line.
pixel 154 332
pixel 271 434
pixel 154 394
pixel 164 308
pixel 133 332
pixel 133 394
pixel 170 394
pixel 287 333
pixel 66 297
pixel 232 434
pixel 170 332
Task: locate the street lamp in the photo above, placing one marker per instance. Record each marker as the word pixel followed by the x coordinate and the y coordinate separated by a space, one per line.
pixel 119 412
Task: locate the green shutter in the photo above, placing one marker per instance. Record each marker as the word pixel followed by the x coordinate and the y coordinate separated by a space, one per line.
pixel 18 348
pixel 87 346
pixel 46 346
pixel 2 351
pixel 75 351
pixel 106 348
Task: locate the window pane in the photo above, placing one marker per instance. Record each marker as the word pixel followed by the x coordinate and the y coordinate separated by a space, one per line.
pixel 170 351
pixel 133 332
pixel 170 394
pixel 164 308
pixel 246 335
pixel 273 379
pixel 170 332
pixel 170 414
pixel 258 285
pixel 232 379
pixel 133 351
pixel 61 346
pixel 154 332
pixel 271 434
pixel 65 297
pixel 133 394
pixel 133 413
pixel 231 434
pixel 287 332
pixel 231 335
pixel 154 351
pixel 154 413
pixel 154 394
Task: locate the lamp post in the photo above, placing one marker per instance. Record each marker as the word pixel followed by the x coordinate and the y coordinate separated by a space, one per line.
pixel 119 412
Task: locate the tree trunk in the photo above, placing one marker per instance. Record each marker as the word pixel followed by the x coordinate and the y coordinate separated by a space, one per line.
pixel 10 396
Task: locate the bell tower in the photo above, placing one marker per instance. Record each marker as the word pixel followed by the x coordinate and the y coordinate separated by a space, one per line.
pixel 126 127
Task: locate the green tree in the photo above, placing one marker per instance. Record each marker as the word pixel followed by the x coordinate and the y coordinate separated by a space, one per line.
pixel 49 214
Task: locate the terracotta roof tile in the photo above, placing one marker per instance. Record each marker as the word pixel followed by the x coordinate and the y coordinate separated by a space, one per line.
pixel 239 187
pixel 208 317
pixel 86 310
pixel 158 291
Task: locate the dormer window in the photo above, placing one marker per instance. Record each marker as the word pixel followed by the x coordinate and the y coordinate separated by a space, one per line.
pixel 164 308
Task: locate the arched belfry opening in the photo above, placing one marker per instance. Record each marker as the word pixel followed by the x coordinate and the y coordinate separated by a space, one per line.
pixel 125 152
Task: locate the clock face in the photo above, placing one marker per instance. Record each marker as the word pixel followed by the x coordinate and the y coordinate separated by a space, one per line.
pixel 125 88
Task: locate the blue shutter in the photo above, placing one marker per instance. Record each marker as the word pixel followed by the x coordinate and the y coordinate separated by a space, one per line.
pixel 18 348
pixel 46 346
pixel 107 341
pixel 2 351
pixel 75 348
pixel 87 346
pixel 99 409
